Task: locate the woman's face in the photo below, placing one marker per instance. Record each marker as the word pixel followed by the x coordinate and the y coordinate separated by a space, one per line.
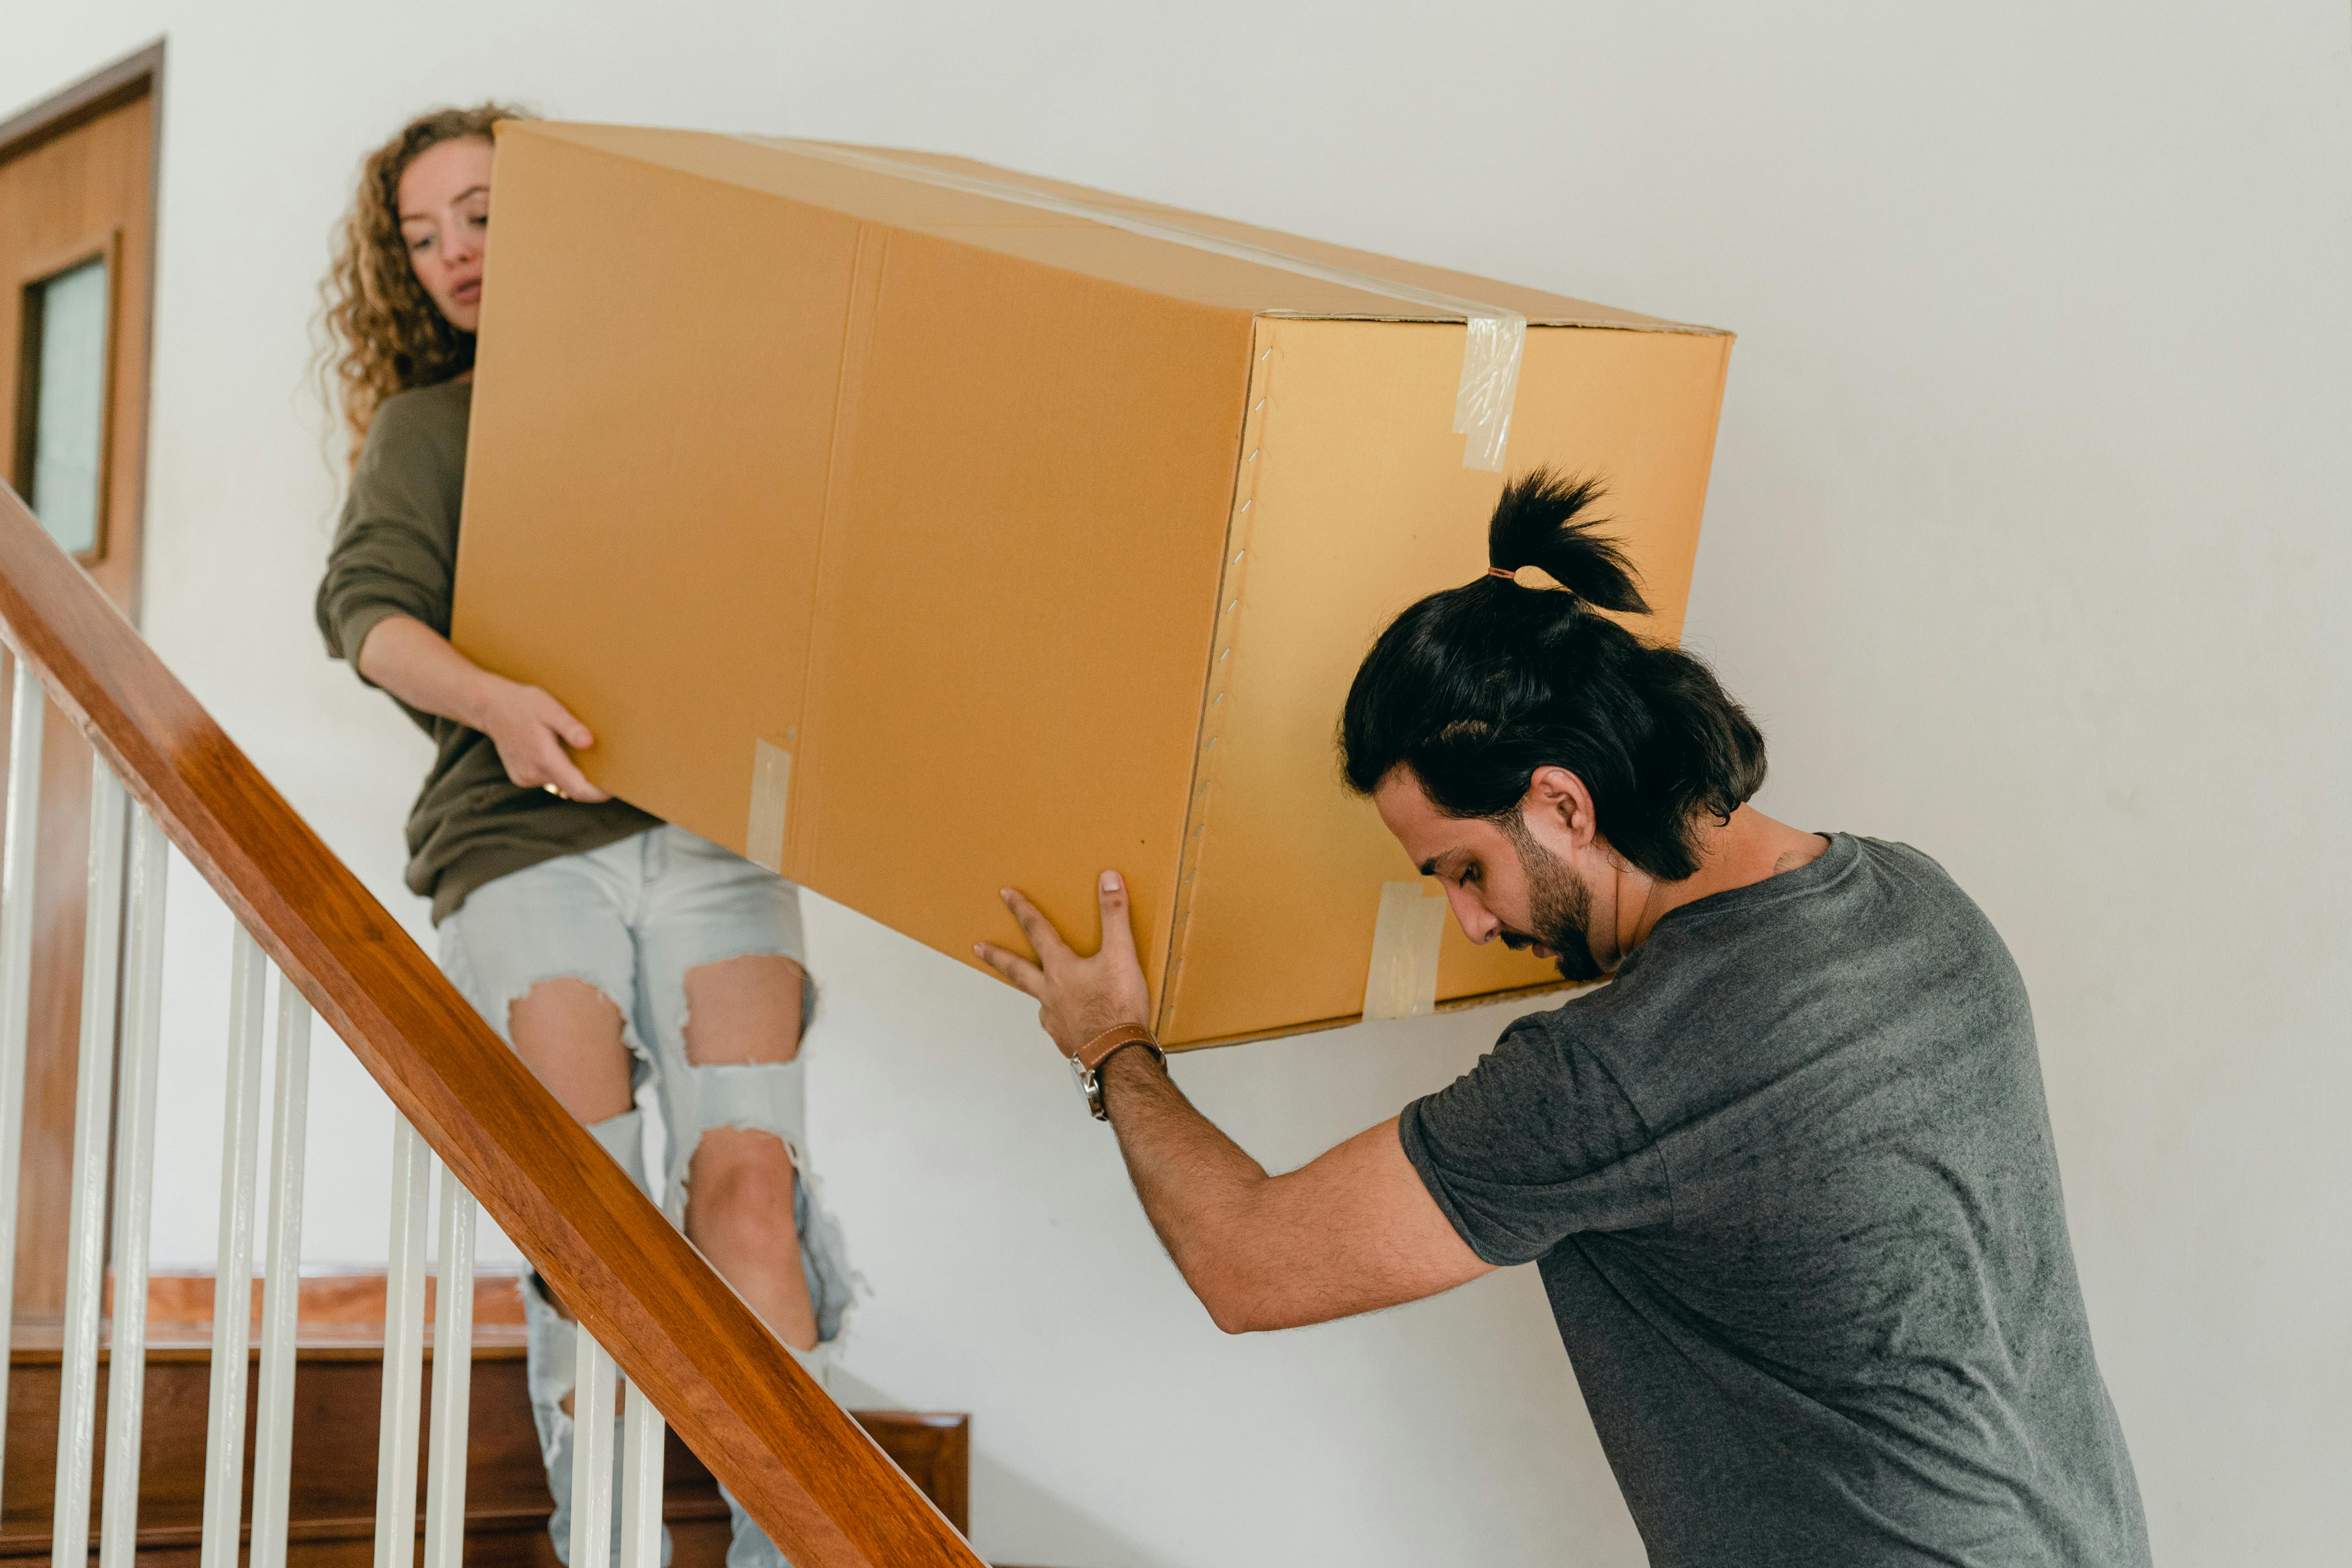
pixel 445 221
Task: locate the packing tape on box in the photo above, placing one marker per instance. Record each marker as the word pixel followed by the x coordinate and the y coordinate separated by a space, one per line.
pixel 1490 357
pixel 1403 983
pixel 771 789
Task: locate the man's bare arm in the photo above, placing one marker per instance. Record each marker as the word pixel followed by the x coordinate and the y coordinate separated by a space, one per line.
pixel 1353 1231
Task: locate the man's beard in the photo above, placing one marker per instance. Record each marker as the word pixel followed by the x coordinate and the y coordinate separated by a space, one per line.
pixel 1559 907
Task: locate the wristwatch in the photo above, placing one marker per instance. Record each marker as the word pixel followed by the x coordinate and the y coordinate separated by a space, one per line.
pixel 1087 1062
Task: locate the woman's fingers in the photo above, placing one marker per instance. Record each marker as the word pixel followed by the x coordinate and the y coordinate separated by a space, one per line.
pixel 572 783
pixel 572 732
pixel 1036 926
pixel 545 765
pixel 1013 967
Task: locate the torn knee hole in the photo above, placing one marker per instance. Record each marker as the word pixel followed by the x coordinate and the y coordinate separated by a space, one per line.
pixel 563 1002
pixel 572 1037
pixel 744 1010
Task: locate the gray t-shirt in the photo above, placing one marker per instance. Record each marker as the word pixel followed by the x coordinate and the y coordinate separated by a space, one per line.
pixel 1789 1184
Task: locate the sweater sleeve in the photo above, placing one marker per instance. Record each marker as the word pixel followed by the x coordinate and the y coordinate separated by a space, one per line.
pixel 396 549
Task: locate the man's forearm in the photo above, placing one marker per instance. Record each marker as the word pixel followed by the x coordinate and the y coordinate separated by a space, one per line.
pixel 1197 1186
pixel 1353 1230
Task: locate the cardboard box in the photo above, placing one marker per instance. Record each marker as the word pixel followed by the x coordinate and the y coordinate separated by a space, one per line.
pixel 920 539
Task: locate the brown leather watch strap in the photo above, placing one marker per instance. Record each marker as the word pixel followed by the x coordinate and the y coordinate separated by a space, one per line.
pixel 1087 1062
pixel 1091 1055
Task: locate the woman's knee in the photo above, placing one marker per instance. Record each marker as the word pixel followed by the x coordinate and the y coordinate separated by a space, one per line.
pixel 739 1179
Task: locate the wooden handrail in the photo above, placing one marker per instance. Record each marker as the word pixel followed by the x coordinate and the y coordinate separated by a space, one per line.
pixel 825 1493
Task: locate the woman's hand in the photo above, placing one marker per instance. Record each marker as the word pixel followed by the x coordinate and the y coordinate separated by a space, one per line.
pixel 531 729
pixel 1077 998
pixel 533 732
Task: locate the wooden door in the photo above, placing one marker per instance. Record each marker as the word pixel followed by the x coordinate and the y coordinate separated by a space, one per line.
pixel 77 237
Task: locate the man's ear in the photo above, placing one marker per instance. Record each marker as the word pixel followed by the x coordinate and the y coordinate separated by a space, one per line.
pixel 1557 799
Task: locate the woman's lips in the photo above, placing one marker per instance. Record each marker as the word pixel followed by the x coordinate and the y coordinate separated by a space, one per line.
pixel 469 291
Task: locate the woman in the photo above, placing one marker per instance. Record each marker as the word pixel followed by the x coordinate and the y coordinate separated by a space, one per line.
pixel 609 949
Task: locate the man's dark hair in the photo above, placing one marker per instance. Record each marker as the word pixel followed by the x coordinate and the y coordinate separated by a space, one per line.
pixel 1476 687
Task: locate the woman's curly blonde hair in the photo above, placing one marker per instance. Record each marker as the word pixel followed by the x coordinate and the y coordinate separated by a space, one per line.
pixel 383 334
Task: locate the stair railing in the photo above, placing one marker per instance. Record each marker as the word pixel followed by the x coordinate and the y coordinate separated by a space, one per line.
pixel 682 1347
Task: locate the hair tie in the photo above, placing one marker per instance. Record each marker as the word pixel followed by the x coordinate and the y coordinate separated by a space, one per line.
pixel 1543 582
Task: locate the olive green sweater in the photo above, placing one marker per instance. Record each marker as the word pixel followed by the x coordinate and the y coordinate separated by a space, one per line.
pixel 395 554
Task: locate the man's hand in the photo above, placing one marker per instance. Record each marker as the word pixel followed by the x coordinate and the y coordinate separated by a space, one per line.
pixel 1077 998
pixel 1354 1231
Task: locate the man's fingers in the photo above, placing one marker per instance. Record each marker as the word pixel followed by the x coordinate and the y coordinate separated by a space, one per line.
pixel 1013 967
pixel 1118 926
pixel 1035 927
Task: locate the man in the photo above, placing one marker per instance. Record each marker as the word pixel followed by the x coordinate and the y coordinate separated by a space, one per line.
pixel 1788 1179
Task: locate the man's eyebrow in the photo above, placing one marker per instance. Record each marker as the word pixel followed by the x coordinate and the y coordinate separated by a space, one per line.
pixel 1429 868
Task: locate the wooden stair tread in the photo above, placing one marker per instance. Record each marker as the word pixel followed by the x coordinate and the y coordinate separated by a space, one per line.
pixel 44 1345
pixel 337 1398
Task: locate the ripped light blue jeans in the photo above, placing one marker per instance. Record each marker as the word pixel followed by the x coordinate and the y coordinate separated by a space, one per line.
pixel 632 919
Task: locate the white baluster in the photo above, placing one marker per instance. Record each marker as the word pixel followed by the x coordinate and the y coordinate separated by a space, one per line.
pixel 403 1349
pixel 233 1282
pixel 18 856
pixel 592 1390
pixel 281 1288
pixel 134 1188
pixel 641 1481
pixel 86 1211
pixel 453 1377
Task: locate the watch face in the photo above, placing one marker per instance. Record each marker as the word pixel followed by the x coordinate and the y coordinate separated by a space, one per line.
pixel 1089 1089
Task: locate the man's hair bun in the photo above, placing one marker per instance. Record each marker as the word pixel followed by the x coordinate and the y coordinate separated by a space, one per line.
pixel 1541 522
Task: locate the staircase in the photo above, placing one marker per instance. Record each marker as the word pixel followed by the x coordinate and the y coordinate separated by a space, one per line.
pixel 339 1361
pixel 312 1443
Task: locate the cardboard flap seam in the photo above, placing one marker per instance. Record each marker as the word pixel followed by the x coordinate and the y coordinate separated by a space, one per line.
pixel 865 304
pixel 1217 680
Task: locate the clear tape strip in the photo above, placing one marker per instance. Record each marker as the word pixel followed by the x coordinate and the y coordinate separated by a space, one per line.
pixel 1402 980
pixel 1490 355
pixel 772 790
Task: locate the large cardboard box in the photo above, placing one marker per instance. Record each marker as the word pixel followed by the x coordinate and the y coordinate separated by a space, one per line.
pixel 919 528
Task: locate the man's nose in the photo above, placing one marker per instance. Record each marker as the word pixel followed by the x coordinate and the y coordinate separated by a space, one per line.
pixel 1471 915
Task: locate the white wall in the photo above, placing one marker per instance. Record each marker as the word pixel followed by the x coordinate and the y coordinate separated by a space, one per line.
pixel 2026 532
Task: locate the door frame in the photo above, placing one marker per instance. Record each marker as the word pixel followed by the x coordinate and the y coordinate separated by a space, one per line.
pixel 54 1001
pixel 134 76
